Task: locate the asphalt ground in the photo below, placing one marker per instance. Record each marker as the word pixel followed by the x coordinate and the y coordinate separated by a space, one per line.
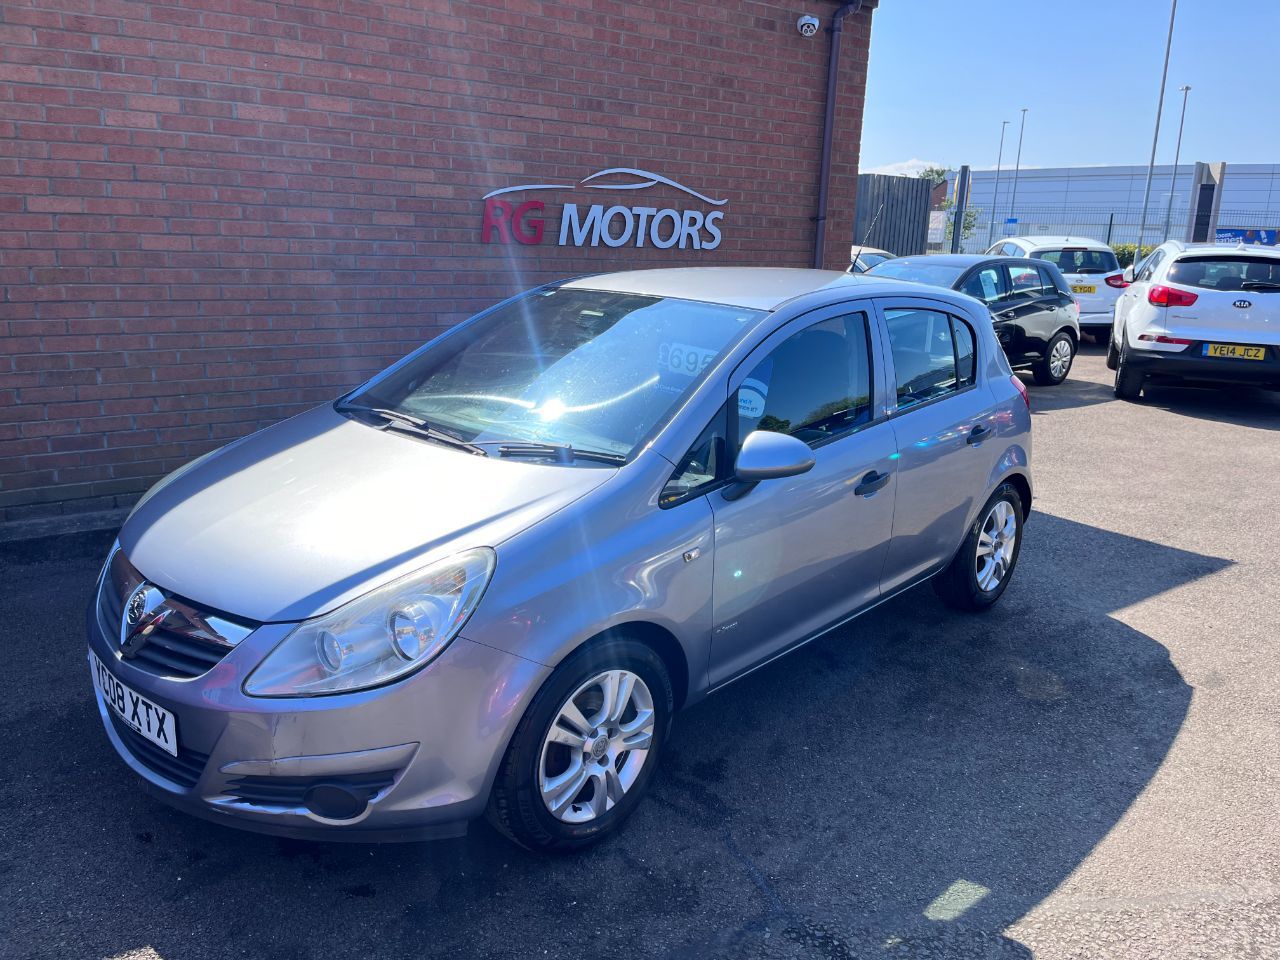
pixel 1092 769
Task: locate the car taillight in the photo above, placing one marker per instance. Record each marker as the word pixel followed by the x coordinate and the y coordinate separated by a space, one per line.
pixel 1162 296
pixel 1161 338
pixel 1118 281
pixel 1022 389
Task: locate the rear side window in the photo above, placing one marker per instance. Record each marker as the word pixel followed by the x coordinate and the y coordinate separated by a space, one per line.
pixel 1080 260
pixel 1234 272
pixel 933 354
pixel 1010 250
pixel 1050 282
pixel 1148 266
pixel 1027 281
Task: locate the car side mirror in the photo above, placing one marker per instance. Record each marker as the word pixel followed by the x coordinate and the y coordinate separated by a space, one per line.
pixel 766 455
pixel 1128 274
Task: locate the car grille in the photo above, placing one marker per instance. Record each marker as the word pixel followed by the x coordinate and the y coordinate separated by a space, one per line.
pixel 188 644
pixel 291 791
pixel 184 769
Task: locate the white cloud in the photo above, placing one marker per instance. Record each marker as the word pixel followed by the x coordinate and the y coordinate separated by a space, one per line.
pixel 904 168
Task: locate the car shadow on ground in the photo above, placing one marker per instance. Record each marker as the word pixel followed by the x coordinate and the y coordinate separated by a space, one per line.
pixel 907 786
pixel 1244 406
pixel 1067 395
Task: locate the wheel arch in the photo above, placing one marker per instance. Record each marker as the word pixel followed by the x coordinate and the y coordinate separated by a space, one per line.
pixel 659 639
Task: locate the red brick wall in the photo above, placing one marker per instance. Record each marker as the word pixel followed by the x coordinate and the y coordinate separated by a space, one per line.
pixel 216 213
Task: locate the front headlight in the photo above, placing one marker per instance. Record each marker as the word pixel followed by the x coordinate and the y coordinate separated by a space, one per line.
pixel 380 637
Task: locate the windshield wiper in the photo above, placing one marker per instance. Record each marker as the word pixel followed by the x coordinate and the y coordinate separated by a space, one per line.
pixel 415 426
pixel 563 452
pixel 1260 285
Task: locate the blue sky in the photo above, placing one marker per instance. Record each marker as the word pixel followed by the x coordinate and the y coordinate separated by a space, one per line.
pixel 944 73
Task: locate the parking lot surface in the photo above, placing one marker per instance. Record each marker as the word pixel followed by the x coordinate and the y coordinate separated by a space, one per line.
pixel 1092 769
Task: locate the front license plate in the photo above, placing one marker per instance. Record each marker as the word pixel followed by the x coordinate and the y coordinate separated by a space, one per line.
pixel 153 722
pixel 1235 351
pixel 1083 288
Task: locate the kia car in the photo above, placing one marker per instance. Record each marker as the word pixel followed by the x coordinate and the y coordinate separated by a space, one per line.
pixel 1035 316
pixel 483 582
pixel 1091 270
pixel 1198 314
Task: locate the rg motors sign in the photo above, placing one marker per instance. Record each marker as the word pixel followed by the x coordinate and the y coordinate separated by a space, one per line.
pixel 512 216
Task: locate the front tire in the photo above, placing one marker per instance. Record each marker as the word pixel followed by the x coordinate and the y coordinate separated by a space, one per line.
pixel 1051 369
pixel 981 570
pixel 1113 355
pixel 585 751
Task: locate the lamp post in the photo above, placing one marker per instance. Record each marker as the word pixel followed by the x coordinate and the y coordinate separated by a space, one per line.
pixel 995 191
pixel 1177 154
pixel 1151 166
pixel 1017 167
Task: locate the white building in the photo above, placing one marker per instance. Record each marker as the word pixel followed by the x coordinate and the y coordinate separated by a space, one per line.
pixel 1097 201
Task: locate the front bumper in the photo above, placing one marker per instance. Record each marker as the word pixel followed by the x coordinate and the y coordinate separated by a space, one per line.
pixel 421 754
pixel 1191 364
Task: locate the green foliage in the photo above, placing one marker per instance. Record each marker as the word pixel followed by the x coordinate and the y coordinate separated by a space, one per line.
pixel 1124 251
pixel 969 225
pixel 934 175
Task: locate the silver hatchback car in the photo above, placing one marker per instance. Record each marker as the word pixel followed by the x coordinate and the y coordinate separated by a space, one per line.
pixel 485 580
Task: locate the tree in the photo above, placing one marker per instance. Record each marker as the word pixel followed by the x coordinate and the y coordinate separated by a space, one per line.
pixel 934 175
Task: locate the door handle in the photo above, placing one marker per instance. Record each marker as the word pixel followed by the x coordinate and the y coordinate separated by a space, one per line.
pixel 977 434
pixel 1009 315
pixel 870 483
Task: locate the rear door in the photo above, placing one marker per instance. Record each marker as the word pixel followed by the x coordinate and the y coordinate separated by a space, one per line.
pixel 1087 272
pixel 1030 313
pixel 943 421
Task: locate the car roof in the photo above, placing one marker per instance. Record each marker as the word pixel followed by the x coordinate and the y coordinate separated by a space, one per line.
pixel 1253 249
pixel 756 288
pixel 953 259
pixel 1058 241
pixel 862 250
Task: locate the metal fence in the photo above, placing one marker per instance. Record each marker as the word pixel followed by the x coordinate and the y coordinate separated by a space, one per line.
pixel 1112 224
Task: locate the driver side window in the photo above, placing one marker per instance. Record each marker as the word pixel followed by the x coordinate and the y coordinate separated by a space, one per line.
pixel 816 385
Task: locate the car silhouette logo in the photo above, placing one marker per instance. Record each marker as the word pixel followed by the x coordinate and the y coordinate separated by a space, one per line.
pixel 1243 304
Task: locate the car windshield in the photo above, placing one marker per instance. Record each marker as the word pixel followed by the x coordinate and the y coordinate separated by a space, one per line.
pixel 1080 260
pixel 592 369
pixel 1235 272
pixel 919 271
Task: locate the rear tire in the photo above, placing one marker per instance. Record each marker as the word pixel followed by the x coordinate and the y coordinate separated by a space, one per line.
pixel 1128 385
pixel 982 568
pixel 1059 353
pixel 525 791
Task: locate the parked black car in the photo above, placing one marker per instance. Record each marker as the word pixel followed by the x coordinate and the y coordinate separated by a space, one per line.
pixel 1036 319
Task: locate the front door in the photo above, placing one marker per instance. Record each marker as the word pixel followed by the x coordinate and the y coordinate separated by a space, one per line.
pixel 796 554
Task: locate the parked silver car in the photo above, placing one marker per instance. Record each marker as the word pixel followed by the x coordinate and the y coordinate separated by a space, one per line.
pixel 485 580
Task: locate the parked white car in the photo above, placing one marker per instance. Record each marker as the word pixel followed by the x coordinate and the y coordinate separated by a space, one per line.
pixel 1198 313
pixel 862 259
pixel 1091 269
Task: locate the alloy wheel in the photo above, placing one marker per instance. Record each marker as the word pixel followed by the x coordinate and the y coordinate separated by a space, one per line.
pixel 596 746
pixel 996 542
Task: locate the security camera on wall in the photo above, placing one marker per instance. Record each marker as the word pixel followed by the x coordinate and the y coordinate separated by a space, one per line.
pixel 807 25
